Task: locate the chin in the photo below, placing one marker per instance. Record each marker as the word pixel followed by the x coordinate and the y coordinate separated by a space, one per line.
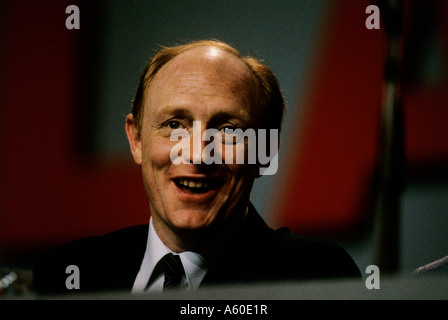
pixel 193 220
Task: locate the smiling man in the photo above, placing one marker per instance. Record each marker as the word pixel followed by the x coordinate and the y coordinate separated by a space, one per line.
pixel 215 88
pixel 203 229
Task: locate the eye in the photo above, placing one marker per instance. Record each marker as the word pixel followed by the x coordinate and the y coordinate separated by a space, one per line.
pixel 174 125
pixel 230 137
pixel 228 130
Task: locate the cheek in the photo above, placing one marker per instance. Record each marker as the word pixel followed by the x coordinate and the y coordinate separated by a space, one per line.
pixel 241 152
pixel 156 153
pixel 155 164
pixel 244 164
pixel 242 168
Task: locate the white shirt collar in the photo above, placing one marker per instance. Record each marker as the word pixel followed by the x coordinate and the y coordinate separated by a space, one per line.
pixel 194 265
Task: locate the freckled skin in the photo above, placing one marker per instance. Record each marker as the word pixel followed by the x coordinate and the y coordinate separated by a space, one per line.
pixel 203 84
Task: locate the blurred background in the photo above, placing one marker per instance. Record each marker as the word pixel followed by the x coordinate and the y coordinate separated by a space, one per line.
pixel 65 167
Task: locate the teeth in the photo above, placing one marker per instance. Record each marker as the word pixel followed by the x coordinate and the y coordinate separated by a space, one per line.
pixel 193 184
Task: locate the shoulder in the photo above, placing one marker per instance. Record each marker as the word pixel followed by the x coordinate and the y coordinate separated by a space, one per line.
pixel 310 256
pixel 99 247
pixel 98 259
pixel 295 256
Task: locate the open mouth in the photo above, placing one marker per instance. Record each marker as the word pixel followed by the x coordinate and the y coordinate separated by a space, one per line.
pixel 196 185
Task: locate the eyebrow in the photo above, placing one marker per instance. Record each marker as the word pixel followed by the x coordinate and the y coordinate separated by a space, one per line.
pixel 240 119
pixel 223 116
pixel 173 111
pixel 185 112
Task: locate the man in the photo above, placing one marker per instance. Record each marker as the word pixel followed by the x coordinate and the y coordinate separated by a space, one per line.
pixel 203 229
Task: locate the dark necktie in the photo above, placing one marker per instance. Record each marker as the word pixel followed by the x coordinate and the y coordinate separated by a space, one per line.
pixel 171 266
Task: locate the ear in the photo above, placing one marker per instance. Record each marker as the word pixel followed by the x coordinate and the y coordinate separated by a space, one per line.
pixel 134 138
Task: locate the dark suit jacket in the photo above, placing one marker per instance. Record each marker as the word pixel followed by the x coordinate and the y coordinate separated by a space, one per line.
pixel 259 254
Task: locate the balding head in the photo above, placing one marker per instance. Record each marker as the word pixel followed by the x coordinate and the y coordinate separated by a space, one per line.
pixel 206 71
pixel 266 97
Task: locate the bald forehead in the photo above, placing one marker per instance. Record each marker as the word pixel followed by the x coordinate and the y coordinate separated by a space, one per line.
pixel 213 62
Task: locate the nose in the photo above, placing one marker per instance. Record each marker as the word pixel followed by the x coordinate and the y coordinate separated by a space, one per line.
pixel 194 156
pixel 204 146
